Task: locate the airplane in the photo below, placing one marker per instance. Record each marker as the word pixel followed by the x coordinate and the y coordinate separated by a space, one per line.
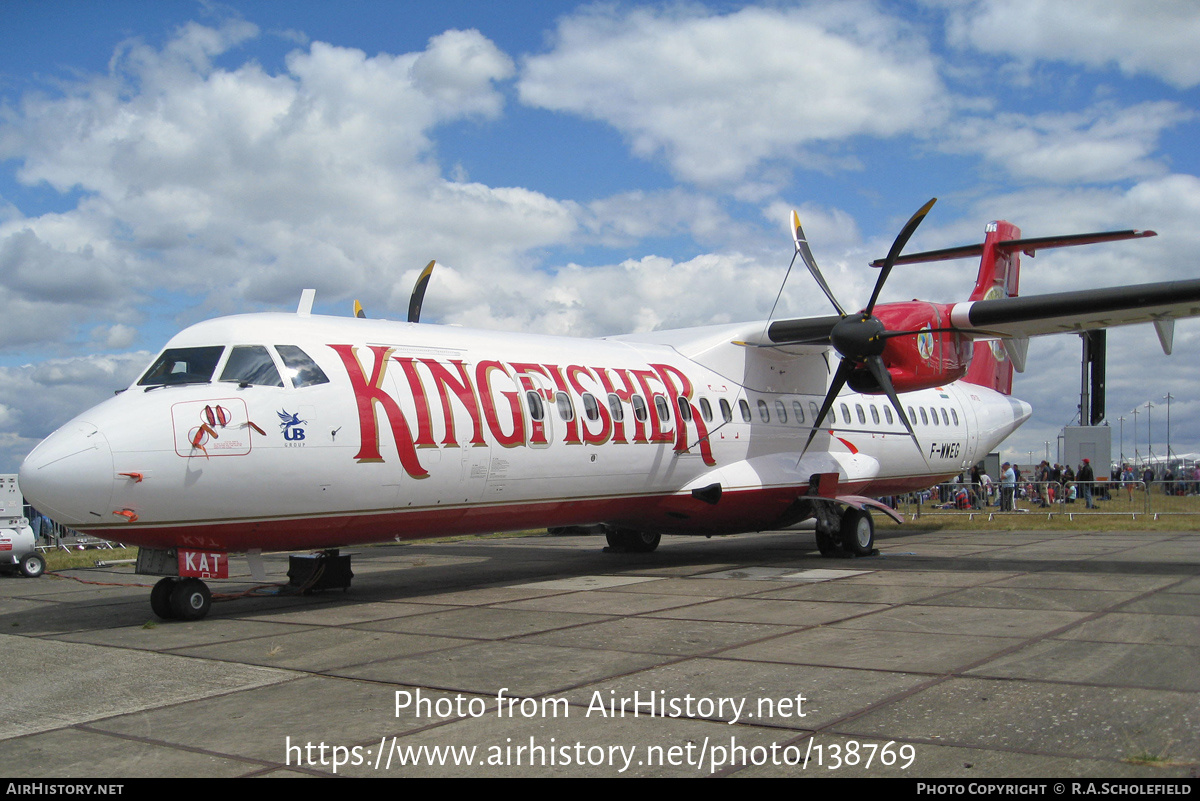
pixel 284 432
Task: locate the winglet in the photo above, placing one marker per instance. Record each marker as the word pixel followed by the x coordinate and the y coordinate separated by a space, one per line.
pixel 358 311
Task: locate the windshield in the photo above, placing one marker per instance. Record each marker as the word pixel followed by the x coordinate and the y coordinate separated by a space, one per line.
pixel 251 365
pixel 303 371
pixel 183 366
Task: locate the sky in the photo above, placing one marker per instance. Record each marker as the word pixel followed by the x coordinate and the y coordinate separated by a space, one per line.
pixel 582 169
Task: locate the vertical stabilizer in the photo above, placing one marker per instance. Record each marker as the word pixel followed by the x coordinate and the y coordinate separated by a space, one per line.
pixel 999 273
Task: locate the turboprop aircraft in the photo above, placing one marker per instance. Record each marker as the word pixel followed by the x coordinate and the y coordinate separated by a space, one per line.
pixel 280 432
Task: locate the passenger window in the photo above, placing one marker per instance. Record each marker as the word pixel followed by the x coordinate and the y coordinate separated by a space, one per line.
pixel 874 415
pixel 912 416
pixel 664 411
pixel 614 406
pixel 706 410
pixel 537 412
pixel 303 371
pixel 945 418
pixel 814 410
pixel 887 414
pixel 685 410
pixel 781 411
pixel 591 409
pixel 798 411
pixel 726 412
pixel 954 414
pixel 933 414
pixel 764 413
pixel 183 366
pixel 639 407
pixel 565 410
pixel 862 416
pixel 845 414
pixel 924 417
pixel 744 408
pixel 251 365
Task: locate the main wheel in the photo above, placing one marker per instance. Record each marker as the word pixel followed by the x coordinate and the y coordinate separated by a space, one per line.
pixel 190 599
pixel 858 532
pixel 644 541
pixel 828 544
pixel 631 540
pixel 160 598
pixel 33 565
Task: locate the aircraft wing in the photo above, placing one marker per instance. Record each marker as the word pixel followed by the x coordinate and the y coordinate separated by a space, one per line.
pixel 1086 309
pixel 1035 315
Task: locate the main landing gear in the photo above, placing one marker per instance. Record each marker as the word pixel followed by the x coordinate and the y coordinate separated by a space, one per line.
pixel 628 540
pixel 850 533
pixel 180 598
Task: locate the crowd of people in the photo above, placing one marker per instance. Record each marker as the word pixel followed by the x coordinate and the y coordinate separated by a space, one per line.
pixel 1049 484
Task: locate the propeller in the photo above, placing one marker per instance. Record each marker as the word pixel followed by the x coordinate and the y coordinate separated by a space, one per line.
pixel 418 293
pixel 860 338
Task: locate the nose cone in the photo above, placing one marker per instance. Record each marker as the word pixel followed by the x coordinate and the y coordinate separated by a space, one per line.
pixel 69 476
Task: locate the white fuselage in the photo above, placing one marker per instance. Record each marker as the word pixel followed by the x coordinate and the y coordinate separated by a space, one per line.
pixel 420 430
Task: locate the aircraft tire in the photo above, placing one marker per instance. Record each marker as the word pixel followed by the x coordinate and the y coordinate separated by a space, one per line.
pixel 858 532
pixel 160 598
pixel 616 538
pixel 644 541
pixel 190 599
pixel 32 565
pixel 828 544
pixel 632 541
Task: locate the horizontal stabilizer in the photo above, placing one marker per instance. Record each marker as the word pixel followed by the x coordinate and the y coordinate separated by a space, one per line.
pixel 1027 246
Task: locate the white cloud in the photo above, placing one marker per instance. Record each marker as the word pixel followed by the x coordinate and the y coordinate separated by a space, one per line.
pixel 1149 37
pixel 717 96
pixel 37 398
pixel 248 185
pixel 1102 145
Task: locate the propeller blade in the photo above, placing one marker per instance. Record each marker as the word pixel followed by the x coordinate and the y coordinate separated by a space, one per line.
pixel 811 263
pixel 884 379
pixel 358 311
pixel 898 245
pixel 879 370
pixel 845 368
pixel 890 334
pixel 418 293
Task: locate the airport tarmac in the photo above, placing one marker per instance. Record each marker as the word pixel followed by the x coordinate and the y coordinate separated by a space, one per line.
pixel 949 654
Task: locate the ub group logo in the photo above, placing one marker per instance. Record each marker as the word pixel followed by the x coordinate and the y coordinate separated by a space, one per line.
pixel 290 423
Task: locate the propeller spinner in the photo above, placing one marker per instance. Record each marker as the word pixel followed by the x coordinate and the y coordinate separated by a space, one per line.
pixel 859 338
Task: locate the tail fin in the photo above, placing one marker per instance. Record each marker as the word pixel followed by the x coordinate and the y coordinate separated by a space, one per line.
pixel 999 273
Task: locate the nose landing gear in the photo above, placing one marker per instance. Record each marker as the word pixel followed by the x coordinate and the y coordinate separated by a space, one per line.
pixel 180 599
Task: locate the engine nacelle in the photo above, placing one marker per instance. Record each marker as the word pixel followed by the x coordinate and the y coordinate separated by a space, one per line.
pixel 926 359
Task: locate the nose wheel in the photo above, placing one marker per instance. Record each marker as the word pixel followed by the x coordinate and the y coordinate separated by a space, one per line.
pixel 180 599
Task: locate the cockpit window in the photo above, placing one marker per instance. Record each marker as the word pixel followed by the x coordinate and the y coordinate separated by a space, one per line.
pixel 303 371
pixel 183 366
pixel 251 364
